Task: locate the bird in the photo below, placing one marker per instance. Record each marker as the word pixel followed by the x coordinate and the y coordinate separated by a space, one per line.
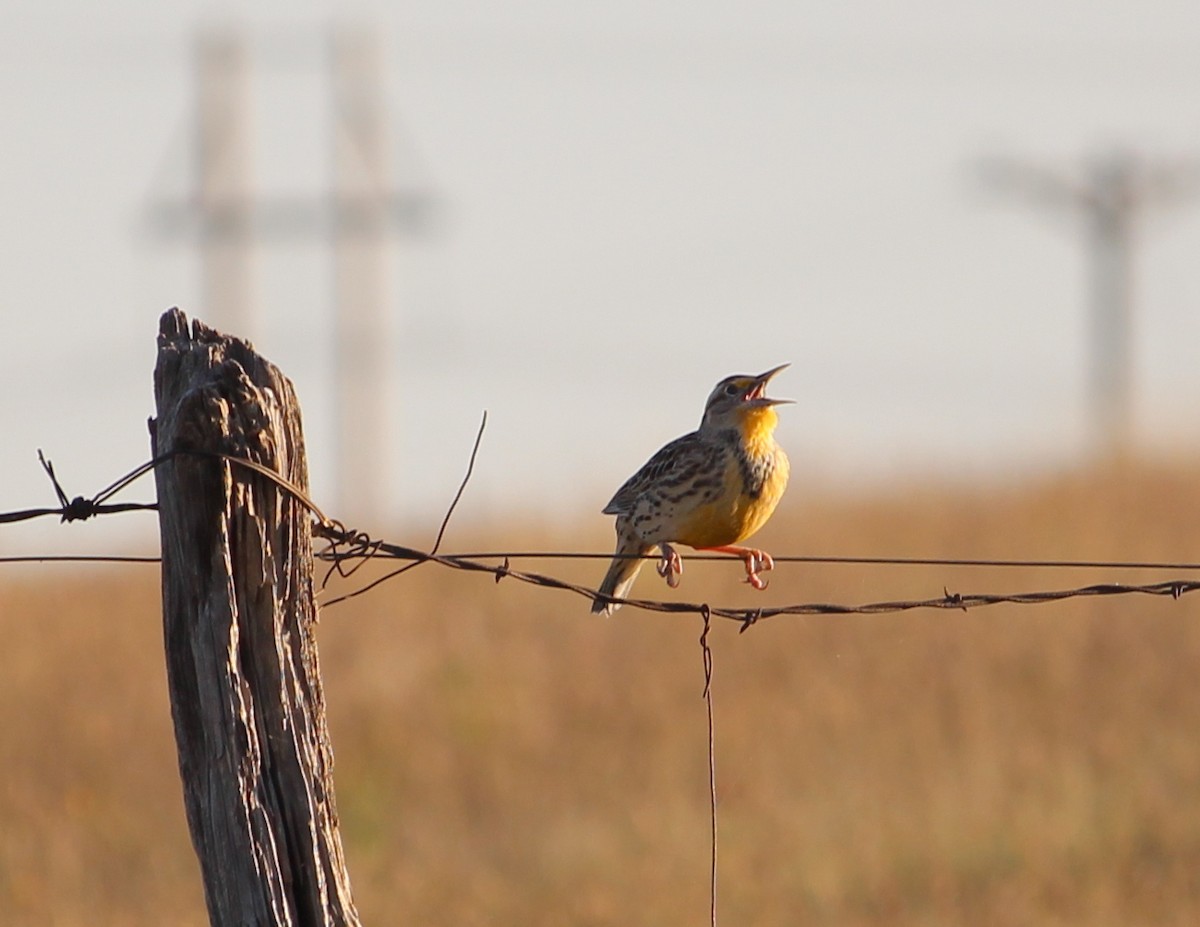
pixel 708 489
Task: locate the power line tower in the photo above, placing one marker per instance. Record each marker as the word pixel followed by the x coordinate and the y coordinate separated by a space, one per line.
pixel 225 216
pixel 223 179
pixel 1109 197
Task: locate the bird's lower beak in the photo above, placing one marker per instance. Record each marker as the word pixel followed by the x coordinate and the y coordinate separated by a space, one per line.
pixel 757 394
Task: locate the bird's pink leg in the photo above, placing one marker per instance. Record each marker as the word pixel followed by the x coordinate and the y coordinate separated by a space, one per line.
pixel 670 567
pixel 757 561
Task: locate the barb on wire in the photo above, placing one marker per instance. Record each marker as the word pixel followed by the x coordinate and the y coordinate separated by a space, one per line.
pixel 81 508
pixel 355 547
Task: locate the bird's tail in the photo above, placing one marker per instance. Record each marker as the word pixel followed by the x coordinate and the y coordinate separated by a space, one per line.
pixel 622 571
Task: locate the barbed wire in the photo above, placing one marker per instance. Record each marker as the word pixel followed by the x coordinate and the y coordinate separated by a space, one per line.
pixel 79 508
pixel 348 550
pixel 747 615
pixel 853 561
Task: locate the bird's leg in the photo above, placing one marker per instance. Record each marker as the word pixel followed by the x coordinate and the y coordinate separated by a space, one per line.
pixel 670 567
pixel 757 561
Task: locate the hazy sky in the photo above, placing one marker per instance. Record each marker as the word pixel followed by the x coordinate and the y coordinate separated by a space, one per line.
pixel 639 200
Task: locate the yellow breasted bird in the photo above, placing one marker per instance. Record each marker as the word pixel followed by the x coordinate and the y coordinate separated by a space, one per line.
pixel 709 490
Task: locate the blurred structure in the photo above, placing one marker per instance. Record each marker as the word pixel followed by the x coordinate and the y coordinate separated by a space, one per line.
pixel 222 180
pixel 226 215
pixel 1109 196
pixel 363 218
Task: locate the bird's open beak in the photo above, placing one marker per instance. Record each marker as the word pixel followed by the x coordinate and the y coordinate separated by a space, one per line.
pixel 757 394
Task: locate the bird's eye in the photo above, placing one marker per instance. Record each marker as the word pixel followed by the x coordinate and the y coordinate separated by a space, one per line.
pixel 731 389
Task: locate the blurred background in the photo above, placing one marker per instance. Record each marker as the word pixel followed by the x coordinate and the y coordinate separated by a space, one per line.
pixel 972 231
pixel 580 219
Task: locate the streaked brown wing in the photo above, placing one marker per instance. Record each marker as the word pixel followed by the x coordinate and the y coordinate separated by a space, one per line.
pixel 674 463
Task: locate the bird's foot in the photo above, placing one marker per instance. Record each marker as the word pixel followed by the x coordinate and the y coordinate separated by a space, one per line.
pixel 670 566
pixel 757 561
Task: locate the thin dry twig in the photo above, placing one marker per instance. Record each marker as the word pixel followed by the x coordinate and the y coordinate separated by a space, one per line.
pixel 375 547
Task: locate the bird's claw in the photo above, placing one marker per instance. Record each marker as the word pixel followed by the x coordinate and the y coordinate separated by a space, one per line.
pixel 670 566
pixel 758 561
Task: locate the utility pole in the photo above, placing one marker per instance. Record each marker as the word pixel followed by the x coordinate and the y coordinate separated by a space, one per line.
pixel 1109 196
pixel 223 180
pixel 360 234
pixel 226 215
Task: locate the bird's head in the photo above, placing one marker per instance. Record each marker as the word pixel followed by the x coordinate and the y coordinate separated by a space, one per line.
pixel 741 401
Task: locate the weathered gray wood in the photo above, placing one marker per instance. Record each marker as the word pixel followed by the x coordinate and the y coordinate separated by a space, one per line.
pixel 239 620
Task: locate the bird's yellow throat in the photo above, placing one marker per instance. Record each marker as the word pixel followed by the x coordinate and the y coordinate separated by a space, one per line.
pixel 757 423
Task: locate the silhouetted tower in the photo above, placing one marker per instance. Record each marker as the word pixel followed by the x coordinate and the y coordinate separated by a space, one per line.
pixel 226 214
pixel 222 181
pixel 1109 196
pixel 361 229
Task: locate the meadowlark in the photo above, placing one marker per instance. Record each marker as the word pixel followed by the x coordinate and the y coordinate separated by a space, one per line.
pixel 709 490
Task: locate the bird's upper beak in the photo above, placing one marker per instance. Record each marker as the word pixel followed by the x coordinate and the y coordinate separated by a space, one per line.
pixel 757 394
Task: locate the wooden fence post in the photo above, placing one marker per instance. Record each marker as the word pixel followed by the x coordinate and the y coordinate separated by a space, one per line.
pixel 238 620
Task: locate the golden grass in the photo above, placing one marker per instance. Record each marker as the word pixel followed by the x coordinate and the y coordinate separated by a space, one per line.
pixel 505 758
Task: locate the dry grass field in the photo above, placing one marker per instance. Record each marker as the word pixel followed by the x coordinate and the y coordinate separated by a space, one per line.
pixel 503 758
